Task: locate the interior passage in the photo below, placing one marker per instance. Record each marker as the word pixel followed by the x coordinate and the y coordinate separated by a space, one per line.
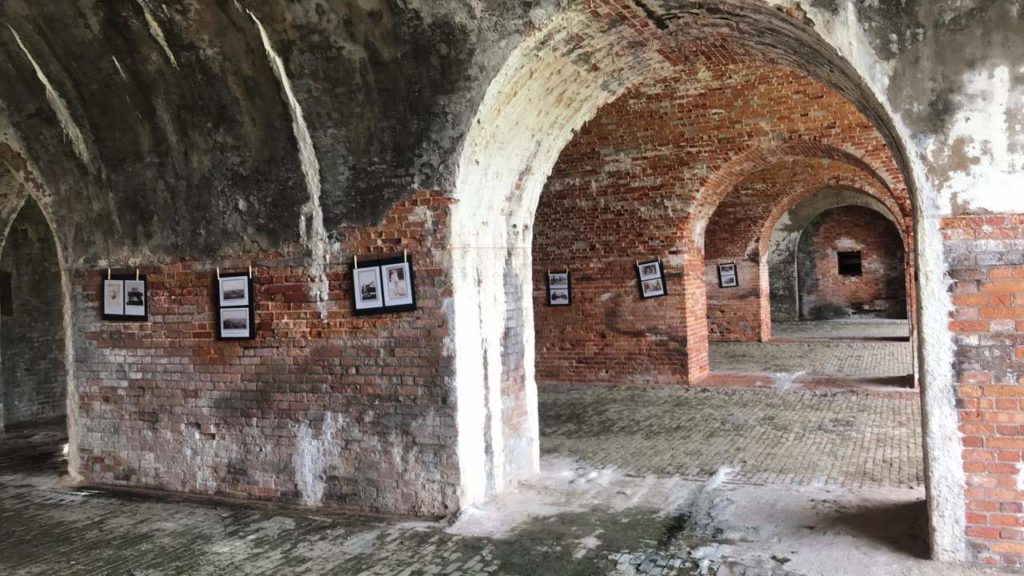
pixel 796 437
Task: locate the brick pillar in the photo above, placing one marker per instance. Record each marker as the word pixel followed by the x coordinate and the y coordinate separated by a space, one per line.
pixel 987 268
pixel 696 315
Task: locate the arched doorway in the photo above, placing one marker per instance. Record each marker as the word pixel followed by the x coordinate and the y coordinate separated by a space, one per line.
pixel 551 85
pixel 32 345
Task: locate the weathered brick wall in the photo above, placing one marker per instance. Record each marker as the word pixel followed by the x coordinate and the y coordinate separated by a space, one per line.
pixel 986 260
pixel 34 385
pixel 738 232
pixel 879 290
pixel 627 187
pixel 347 412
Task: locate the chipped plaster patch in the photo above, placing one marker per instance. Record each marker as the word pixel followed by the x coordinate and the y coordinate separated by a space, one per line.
pixel 979 160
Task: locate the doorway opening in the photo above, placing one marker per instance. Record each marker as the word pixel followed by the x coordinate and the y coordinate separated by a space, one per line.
pixel 33 389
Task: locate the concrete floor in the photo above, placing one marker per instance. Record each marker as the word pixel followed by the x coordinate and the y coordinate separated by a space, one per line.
pixel 640 507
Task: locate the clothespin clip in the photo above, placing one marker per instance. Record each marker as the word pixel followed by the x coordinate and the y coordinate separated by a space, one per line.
pixel 109 276
pixel 405 256
pixel 218 273
pixel 250 271
pixel 355 261
pixel 136 274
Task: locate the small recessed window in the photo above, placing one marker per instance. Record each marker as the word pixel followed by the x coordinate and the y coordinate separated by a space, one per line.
pixel 849 263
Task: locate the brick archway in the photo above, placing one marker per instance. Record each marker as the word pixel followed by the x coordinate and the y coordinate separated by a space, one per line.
pixel 551 85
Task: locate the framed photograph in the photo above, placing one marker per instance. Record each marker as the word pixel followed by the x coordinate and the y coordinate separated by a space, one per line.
pixel 383 286
pixel 236 307
pixel 651 277
pixel 397 284
pixel 366 287
pixel 124 297
pixel 235 323
pixel 727 276
pixel 234 290
pixel 559 289
pixel 135 304
pixel 650 270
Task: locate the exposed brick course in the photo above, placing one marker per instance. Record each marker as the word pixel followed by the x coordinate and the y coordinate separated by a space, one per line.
pixel 987 267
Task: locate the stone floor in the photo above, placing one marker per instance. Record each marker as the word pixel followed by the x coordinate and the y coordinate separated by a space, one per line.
pixel 796 437
pixel 865 349
pixel 614 496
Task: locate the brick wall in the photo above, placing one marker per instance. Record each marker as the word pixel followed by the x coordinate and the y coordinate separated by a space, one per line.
pixel 32 338
pixel 347 412
pixel 879 291
pixel 986 259
pixel 740 228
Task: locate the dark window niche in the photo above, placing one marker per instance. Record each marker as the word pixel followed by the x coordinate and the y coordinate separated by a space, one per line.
pixel 849 263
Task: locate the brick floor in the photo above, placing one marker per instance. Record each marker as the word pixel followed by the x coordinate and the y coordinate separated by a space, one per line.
pixel 800 437
pixel 615 505
pixel 862 349
pixel 867 329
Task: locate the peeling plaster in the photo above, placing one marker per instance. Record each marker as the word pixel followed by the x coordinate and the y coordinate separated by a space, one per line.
pixel 312 232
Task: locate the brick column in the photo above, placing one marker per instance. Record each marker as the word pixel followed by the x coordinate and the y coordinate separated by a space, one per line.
pixel 987 267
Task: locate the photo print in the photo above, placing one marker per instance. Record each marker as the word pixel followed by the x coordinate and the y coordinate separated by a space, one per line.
pixel 124 297
pixel 383 286
pixel 650 270
pixel 559 289
pixel 397 284
pixel 235 323
pixel 727 275
pixel 367 288
pixel 135 298
pixel 651 277
pixel 234 290
pixel 113 297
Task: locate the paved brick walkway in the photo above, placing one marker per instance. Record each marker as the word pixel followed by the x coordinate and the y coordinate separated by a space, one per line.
pixel 873 329
pixel 833 358
pixel 801 437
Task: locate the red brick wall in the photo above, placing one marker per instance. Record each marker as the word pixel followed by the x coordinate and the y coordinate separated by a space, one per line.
pixel 880 290
pixel 737 233
pixel 627 188
pixel 987 268
pixel 366 400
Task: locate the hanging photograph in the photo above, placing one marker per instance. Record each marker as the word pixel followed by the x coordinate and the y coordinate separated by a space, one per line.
pixel 234 290
pixel 236 323
pixel 124 297
pixel 651 277
pixel 113 298
pixel 367 288
pixel 397 284
pixel 727 276
pixel 135 298
pixel 559 289
pixel 383 286
pixel 650 270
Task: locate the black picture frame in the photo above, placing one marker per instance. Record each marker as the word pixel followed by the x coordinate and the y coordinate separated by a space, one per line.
pixel 559 295
pixel 650 276
pixel 244 310
pixel 383 286
pixel 728 275
pixel 128 289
